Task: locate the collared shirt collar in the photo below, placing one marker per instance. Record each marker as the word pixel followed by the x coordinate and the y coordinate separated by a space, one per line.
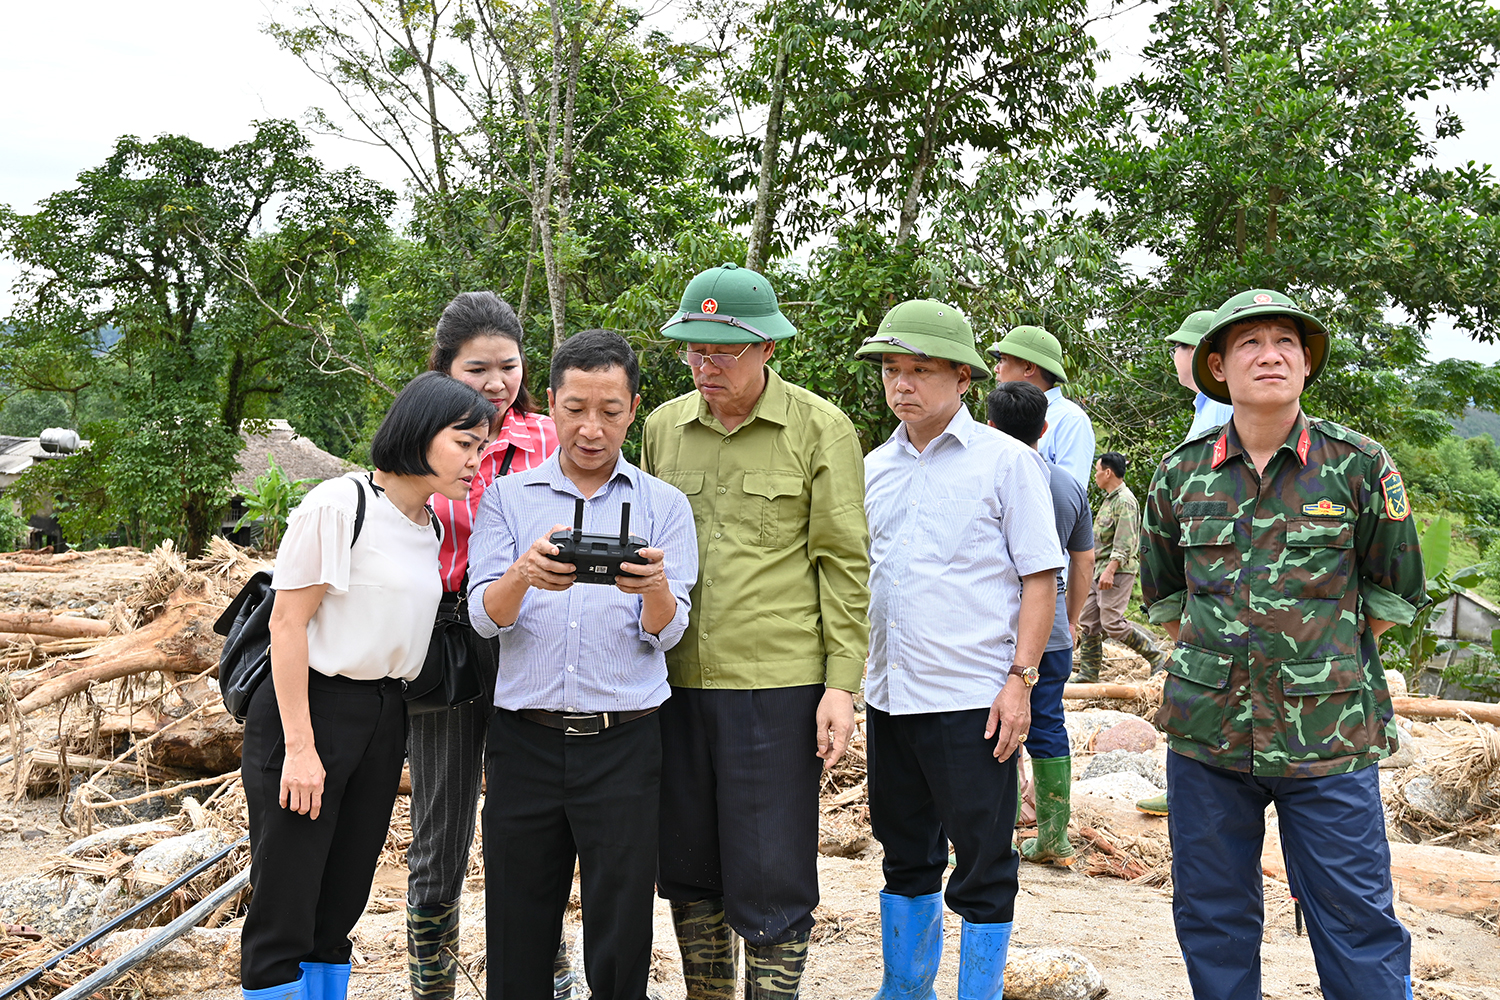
pixel 772 405
pixel 1298 442
pixel 515 429
pixel 1054 394
pixel 960 428
pixel 551 473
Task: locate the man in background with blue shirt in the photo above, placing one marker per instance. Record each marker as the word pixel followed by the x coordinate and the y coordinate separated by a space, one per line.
pixel 1020 410
pixel 574 751
pixel 1207 413
pixel 1031 354
pixel 960 519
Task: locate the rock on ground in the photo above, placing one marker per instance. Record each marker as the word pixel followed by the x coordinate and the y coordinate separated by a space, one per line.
pixel 176 855
pixel 62 907
pixel 1082 726
pixel 1424 794
pixel 1051 974
pixel 201 959
pixel 1128 761
pixel 1128 734
pixel 128 839
pixel 1126 786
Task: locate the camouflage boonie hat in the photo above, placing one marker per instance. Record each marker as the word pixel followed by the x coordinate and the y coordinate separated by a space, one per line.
pixel 728 304
pixel 1248 305
pixel 1193 328
pixel 1032 343
pixel 926 328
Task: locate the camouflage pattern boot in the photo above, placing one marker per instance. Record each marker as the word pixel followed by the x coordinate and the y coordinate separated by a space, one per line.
pixel 774 971
pixel 431 944
pixel 1141 641
pixel 565 984
pixel 707 945
pixel 1090 659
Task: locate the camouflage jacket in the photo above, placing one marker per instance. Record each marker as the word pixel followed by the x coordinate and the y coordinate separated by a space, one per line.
pixel 1272 578
pixel 1117 531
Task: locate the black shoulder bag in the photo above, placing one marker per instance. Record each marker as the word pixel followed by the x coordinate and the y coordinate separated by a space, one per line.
pixel 246 627
pixel 461 664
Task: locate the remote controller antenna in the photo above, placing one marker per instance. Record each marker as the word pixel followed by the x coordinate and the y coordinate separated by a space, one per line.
pixel 578 521
pixel 624 524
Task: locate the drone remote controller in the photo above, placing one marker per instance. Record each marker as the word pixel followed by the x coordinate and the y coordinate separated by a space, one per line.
pixel 597 558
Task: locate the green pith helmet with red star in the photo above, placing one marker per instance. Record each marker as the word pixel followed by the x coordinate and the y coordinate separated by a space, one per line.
pixel 728 304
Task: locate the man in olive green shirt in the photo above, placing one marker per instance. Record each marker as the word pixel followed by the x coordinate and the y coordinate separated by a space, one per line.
pixel 763 681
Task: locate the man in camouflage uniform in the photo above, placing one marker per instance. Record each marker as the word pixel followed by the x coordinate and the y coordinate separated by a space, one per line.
pixel 1117 543
pixel 1277 548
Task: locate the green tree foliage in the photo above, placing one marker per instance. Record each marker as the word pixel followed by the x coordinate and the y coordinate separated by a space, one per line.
pixel 271 500
pixel 225 273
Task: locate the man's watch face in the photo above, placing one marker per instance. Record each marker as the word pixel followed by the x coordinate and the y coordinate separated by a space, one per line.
pixel 1029 676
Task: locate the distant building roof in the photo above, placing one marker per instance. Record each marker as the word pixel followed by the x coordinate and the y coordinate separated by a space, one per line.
pixel 298 457
pixel 17 454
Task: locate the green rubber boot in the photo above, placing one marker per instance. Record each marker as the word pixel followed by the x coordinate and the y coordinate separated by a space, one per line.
pixel 774 971
pixel 1090 659
pixel 707 946
pixel 1154 806
pixel 1054 807
pixel 1141 641
pixel 431 944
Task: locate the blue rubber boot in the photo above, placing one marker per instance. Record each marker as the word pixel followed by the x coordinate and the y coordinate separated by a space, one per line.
pixel 325 981
pixel 981 960
pixel 911 942
pixel 296 990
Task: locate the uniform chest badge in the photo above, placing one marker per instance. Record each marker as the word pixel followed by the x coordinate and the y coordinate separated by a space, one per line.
pixel 1397 508
pixel 1324 508
pixel 710 306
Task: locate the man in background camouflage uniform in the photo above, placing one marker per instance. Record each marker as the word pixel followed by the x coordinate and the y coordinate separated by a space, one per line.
pixel 1276 550
pixel 1117 542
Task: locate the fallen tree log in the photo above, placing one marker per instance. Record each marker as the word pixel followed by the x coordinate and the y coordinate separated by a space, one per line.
pixel 179 640
pixel 1463 883
pixel 46 623
pixel 1415 708
pixel 209 745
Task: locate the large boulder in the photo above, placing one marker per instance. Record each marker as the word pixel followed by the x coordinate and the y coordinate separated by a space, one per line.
pixel 201 959
pixel 1051 974
pixel 1128 761
pixel 60 906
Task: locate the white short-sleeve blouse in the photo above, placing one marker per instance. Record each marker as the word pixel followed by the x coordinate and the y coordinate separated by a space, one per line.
pixel 375 620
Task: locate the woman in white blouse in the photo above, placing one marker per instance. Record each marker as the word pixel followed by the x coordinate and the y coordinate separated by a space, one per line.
pixel 325 738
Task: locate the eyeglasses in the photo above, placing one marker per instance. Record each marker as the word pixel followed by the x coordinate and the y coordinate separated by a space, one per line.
pixel 695 359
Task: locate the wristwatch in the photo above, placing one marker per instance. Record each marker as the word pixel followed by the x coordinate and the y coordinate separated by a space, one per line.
pixel 1029 675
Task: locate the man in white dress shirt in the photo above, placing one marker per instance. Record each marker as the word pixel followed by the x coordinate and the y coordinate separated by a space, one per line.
pixel 1208 414
pixel 1031 354
pixel 963 563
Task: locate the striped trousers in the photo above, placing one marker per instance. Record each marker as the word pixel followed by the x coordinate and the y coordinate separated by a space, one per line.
pixel 446 750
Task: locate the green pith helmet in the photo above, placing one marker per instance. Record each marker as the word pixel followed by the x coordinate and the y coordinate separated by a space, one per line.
pixel 728 304
pixel 926 327
pixel 1193 328
pixel 1032 343
pixel 1248 305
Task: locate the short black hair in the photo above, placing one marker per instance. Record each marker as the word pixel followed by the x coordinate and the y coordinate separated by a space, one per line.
pixel 1114 462
pixel 592 351
pixel 1018 409
pixel 430 404
pixel 478 314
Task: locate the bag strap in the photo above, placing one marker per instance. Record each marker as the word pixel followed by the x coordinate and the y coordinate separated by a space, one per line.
pixel 510 456
pixel 359 511
pixel 463 587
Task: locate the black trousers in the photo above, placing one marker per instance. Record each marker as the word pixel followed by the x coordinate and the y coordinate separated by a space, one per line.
pixel 310 878
pixel 739 806
pixel 934 779
pixel 590 796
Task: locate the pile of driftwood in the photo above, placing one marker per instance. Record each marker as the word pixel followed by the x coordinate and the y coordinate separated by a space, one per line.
pixel 132 694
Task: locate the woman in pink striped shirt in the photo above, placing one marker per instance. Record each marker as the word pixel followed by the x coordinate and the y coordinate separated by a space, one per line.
pixel 478 342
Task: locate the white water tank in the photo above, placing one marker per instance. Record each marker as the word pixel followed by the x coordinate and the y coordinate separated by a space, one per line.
pixel 59 440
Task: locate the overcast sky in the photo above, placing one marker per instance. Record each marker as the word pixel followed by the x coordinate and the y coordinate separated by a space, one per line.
pixel 79 75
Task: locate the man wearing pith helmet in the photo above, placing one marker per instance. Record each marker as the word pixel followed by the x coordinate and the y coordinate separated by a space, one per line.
pixel 1207 413
pixel 763 681
pixel 1276 550
pixel 963 583
pixel 1031 354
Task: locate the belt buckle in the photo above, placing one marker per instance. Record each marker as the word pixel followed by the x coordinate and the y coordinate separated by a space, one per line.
pixel 574 731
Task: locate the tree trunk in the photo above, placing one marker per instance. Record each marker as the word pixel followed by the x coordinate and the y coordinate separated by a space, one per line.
pixel 1273 199
pixel 911 207
pixel 44 623
pixel 770 154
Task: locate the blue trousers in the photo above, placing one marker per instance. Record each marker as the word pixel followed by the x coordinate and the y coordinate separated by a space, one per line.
pixel 1333 838
pixel 1048 736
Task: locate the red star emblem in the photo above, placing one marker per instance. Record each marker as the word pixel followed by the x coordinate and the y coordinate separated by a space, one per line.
pixel 710 306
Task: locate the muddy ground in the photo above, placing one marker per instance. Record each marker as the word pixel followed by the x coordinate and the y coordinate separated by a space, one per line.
pixel 1125 930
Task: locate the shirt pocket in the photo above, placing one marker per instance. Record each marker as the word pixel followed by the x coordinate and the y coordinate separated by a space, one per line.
pixel 1328 709
pixel 1195 698
pixel 1318 559
pixel 690 482
pixel 1211 560
pixel 771 506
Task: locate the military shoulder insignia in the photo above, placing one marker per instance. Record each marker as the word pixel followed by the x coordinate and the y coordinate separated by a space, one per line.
pixel 1324 508
pixel 1221 451
pixel 1396 506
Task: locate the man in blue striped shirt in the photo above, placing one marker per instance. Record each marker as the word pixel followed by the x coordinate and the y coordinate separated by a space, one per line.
pixel 573 761
pixel 963 567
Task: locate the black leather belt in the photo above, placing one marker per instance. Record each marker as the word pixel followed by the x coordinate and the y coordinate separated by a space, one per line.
pixel 581 723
